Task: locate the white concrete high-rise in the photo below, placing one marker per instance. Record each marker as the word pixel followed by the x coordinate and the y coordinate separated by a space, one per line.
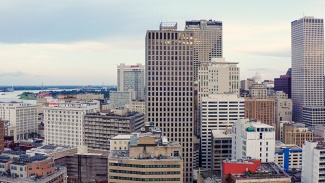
pixel 131 77
pixel 169 81
pixel 307 50
pixel 218 112
pixel 253 139
pixel 207 41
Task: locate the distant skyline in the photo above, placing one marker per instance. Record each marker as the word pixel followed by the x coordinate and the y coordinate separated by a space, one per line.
pixel 82 42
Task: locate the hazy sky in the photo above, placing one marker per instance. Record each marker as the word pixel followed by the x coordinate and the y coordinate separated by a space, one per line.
pixel 81 42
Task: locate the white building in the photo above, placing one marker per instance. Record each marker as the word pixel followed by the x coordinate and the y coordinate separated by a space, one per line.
pixel 220 147
pixel 63 122
pixel 307 48
pixel 131 77
pixel 219 111
pixel 313 162
pixel 118 99
pixel 253 139
pixel 22 118
pixel 218 76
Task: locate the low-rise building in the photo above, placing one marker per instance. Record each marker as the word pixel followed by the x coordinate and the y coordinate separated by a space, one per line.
pixel 253 171
pixel 288 156
pixel 100 128
pixel 120 142
pixel 16 166
pixel 148 159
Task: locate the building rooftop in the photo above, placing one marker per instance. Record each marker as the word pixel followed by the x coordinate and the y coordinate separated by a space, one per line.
pixel 221 133
pixel 265 171
pixel 112 114
pixel 124 154
pixel 280 146
pixel 121 137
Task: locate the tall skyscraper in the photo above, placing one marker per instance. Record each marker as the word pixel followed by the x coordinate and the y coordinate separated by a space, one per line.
pixel 207 40
pixel 131 77
pixel 307 50
pixel 169 81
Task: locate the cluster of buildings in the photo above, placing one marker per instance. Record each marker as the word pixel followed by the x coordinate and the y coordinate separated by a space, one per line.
pixel 184 116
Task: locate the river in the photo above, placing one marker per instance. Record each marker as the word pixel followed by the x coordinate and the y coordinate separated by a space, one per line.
pixel 13 96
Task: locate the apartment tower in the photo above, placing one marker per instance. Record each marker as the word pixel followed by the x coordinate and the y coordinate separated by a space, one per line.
pixel 169 81
pixel 307 50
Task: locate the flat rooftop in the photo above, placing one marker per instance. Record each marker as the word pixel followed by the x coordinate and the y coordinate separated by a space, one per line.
pixel 265 171
pixel 121 137
pixel 221 134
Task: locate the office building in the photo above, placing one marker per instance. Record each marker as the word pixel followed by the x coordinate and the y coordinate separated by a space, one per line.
pixel 64 122
pixel 150 158
pixel 258 105
pixel 25 169
pixel 219 112
pixel 120 142
pixel 307 60
pixel 221 145
pixel 169 81
pixel 207 40
pixel 131 77
pixel 252 170
pixel 253 139
pixel 283 83
pixel 288 156
pixel 22 119
pixel 295 133
pixel 313 164
pixel 100 128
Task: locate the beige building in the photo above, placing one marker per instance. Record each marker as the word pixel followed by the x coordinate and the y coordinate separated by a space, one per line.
pixel 296 133
pixel 120 142
pixel 138 106
pixel 148 159
pixel 221 144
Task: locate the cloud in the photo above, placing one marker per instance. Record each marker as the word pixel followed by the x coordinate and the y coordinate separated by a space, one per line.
pixel 12 74
pixel 284 53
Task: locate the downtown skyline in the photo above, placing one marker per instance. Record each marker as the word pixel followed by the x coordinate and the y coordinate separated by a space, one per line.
pixel 64 43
